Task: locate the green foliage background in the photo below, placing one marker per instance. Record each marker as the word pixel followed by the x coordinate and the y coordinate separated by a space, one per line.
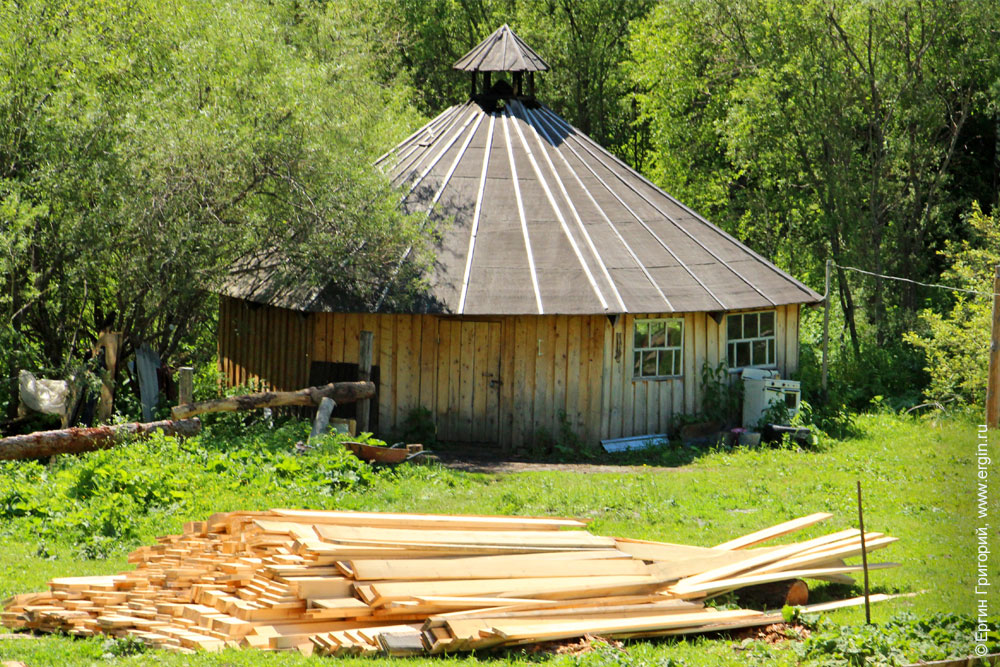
pixel 145 146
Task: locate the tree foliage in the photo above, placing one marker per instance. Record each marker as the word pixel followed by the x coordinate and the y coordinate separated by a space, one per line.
pixel 957 343
pixel 814 130
pixel 144 147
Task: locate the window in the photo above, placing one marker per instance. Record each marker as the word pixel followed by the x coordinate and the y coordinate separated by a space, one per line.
pixel 750 339
pixel 658 348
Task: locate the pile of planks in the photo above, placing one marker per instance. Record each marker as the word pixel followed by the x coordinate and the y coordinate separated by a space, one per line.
pixel 344 583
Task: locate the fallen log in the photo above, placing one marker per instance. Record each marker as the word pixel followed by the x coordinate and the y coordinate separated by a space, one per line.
pixel 76 440
pixel 340 392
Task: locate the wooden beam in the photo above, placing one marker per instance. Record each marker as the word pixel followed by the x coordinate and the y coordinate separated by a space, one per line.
pixel 185 385
pixel 341 392
pixel 993 377
pixel 77 440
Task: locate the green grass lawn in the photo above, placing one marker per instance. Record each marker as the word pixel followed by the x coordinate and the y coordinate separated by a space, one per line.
pixel 918 477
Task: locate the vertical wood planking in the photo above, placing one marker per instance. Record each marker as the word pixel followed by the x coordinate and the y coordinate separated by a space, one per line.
pixel 455 380
pixel 653 416
pixel 404 368
pixel 639 387
pixel 792 340
pixel 385 341
pixel 507 383
pixel 320 340
pixel 480 380
pixel 712 342
pixel 628 386
pixel 352 337
pixel 700 331
pixel 466 391
pixel 428 360
pixel 443 369
pixel 336 338
pixel 560 359
pixel 524 376
pixel 577 349
pixel 492 388
pixel 596 394
pixel 619 350
pixel 223 338
pixel 607 351
pixel 689 364
pixel 780 340
pixel 541 350
pixel 666 404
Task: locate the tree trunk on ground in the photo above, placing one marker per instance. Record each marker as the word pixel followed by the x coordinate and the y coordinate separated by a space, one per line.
pixel 76 440
pixel 774 595
pixel 340 392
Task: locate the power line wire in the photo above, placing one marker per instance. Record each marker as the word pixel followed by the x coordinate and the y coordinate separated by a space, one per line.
pixel 916 282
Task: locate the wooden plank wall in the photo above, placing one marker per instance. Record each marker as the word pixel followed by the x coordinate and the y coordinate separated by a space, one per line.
pixel 638 407
pixel 499 379
pixel 264 347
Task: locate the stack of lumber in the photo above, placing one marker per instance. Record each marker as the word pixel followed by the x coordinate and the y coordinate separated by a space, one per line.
pixel 343 583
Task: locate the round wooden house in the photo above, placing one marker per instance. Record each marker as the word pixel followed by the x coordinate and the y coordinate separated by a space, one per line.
pixel 567 288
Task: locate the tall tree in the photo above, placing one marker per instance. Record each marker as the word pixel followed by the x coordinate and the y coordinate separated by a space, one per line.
pixel 145 147
pixel 822 129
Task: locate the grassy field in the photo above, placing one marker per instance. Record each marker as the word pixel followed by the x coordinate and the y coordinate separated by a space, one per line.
pixel 918 477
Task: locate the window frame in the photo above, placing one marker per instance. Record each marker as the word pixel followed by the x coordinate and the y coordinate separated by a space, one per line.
pixel 773 364
pixel 679 349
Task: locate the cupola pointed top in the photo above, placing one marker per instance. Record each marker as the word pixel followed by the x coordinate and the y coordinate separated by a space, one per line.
pixel 502 51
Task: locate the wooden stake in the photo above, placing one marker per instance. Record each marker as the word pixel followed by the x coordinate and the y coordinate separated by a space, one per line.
pixel 364 375
pixel 185 385
pixel 826 324
pixel 322 420
pixel 864 557
pixel 993 377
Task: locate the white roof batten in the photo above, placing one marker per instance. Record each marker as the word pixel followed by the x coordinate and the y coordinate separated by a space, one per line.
pixel 454 164
pixel 679 227
pixel 440 190
pixel 440 154
pixel 475 217
pixel 428 127
pixel 645 225
pixel 520 211
pixel 430 134
pixel 559 215
pixel 539 131
pixel 544 123
pixel 718 230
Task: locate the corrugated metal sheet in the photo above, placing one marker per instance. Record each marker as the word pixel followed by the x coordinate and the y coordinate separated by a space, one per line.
pixel 544 220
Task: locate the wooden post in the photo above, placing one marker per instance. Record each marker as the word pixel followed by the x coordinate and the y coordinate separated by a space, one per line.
pixel 993 377
pixel 185 385
pixel 864 558
pixel 826 323
pixel 322 419
pixel 111 343
pixel 364 375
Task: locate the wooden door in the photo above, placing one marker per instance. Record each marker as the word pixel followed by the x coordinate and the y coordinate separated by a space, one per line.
pixel 468 381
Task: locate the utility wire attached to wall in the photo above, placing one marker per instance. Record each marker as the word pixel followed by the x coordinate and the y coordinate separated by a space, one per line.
pixel 914 282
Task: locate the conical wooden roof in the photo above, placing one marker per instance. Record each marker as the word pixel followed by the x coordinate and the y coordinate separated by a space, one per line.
pixel 539 218
pixel 503 51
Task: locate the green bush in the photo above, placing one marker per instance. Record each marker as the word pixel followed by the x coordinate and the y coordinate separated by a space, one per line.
pixel 905 639
pixel 956 344
pixel 106 500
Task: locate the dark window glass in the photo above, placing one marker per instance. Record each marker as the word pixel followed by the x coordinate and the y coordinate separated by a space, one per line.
pixel 657 334
pixel 766 324
pixel 735 326
pixel 743 354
